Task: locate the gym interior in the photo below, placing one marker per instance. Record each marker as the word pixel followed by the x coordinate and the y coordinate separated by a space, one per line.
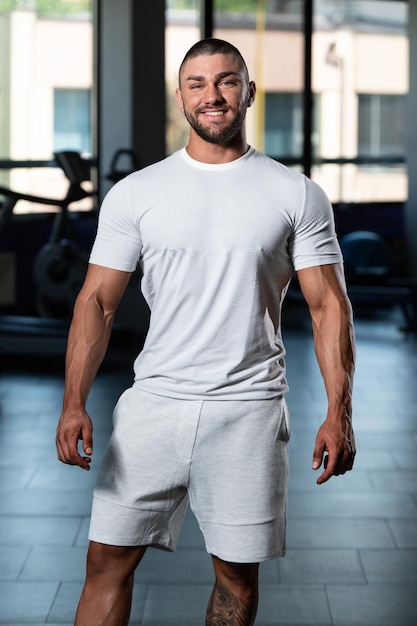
pixel 343 77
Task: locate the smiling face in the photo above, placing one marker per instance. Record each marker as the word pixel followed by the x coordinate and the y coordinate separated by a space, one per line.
pixel 214 95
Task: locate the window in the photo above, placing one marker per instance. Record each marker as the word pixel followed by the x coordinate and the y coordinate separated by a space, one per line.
pixel 72 125
pixel 283 124
pixel 381 125
pixel 46 88
pixel 360 72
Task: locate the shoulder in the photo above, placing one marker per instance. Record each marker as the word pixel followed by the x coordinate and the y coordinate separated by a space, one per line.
pixel 139 181
pixel 294 181
pixel 166 164
pixel 274 168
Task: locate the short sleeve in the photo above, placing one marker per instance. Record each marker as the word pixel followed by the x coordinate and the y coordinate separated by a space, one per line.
pixel 314 240
pixel 118 243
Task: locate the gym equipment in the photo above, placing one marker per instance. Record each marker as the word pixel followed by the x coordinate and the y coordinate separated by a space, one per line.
pixel 371 275
pixel 59 271
pixel 121 157
pixel 59 268
pixel 61 264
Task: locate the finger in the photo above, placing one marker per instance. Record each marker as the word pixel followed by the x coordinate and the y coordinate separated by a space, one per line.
pixel 318 453
pixel 87 441
pixel 80 461
pixel 335 464
pixel 317 462
pixel 68 454
pixel 329 469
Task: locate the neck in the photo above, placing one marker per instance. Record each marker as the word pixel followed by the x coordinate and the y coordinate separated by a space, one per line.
pixel 213 153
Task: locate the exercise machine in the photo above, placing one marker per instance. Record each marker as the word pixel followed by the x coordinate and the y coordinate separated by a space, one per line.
pixel 59 270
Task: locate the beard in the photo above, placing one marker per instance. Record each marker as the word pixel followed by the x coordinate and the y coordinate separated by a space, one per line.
pixel 213 133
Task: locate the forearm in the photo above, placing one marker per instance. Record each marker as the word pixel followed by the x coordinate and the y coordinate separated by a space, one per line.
pixel 334 343
pixel 88 340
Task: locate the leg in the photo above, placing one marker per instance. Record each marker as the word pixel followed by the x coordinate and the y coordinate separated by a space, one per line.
pixel 107 594
pixel 234 600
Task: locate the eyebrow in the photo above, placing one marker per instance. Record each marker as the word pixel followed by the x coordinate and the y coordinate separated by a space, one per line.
pixel 218 76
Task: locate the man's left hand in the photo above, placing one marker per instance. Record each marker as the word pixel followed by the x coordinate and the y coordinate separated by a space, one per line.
pixel 335 448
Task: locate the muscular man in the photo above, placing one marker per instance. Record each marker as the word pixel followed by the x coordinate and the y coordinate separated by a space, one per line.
pixel 218 229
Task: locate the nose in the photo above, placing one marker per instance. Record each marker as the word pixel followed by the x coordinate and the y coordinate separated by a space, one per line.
pixel 212 94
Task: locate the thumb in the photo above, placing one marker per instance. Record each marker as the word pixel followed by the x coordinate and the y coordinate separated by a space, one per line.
pixel 87 441
pixel 317 456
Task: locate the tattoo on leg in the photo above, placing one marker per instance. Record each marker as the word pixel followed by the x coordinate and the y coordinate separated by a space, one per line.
pixel 226 609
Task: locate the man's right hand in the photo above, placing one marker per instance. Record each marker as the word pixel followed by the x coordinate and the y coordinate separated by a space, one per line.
pixel 73 427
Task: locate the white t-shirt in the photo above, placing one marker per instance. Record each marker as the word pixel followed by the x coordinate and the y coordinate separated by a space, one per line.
pixel 217 245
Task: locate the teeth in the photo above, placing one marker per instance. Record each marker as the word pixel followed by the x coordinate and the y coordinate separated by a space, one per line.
pixel 216 113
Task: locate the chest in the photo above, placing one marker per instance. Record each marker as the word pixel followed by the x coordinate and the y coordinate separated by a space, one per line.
pixel 223 216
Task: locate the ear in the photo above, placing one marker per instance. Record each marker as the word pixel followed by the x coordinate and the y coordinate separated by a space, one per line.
pixel 178 96
pixel 252 93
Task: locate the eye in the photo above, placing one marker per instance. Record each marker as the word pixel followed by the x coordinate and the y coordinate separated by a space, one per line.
pixel 228 82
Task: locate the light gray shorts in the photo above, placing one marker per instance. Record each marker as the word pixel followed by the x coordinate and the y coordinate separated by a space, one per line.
pixel 228 458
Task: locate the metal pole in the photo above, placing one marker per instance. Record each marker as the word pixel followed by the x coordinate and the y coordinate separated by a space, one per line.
pixel 307 94
pixel 206 18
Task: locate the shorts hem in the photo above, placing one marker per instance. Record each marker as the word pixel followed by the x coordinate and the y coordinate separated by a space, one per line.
pixel 128 543
pixel 99 531
pixel 231 558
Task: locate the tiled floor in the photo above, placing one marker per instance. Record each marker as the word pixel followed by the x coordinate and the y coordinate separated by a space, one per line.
pixel 352 543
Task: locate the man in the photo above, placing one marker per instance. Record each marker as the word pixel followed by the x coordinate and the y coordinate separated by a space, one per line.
pixel 218 229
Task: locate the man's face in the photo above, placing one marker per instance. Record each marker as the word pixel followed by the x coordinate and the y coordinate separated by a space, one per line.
pixel 214 95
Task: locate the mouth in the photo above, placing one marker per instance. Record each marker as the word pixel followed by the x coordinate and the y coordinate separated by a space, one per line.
pixel 214 113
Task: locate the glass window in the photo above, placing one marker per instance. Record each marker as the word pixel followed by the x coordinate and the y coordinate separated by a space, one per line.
pixel 381 125
pixel 46 86
pixel 283 124
pixel 360 72
pixel 72 125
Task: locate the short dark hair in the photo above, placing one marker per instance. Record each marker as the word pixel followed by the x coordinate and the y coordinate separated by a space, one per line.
pixel 211 46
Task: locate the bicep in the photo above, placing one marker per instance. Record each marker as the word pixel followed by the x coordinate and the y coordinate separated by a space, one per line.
pixel 323 285
pixel 105 286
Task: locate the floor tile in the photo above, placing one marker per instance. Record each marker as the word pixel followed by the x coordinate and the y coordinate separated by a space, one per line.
pixel 11 562
pixel 293 604
pixel 176 604
pixel 188 565
pixel 300 567
pixel 26 601
pixel 390 566
pixel 46 502
pixel 65 603
pixel 373 605
pixel 405 532
pixel 53 563
pixel 396 481
pixel 341 505
pixel 341 533
pixel 42 530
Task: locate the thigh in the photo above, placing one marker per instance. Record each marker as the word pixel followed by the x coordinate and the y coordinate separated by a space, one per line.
pixel 141 492
pixel 239 479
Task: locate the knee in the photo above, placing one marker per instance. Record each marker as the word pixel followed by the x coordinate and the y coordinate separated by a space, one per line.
pixel 242 576
pixel 117 562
